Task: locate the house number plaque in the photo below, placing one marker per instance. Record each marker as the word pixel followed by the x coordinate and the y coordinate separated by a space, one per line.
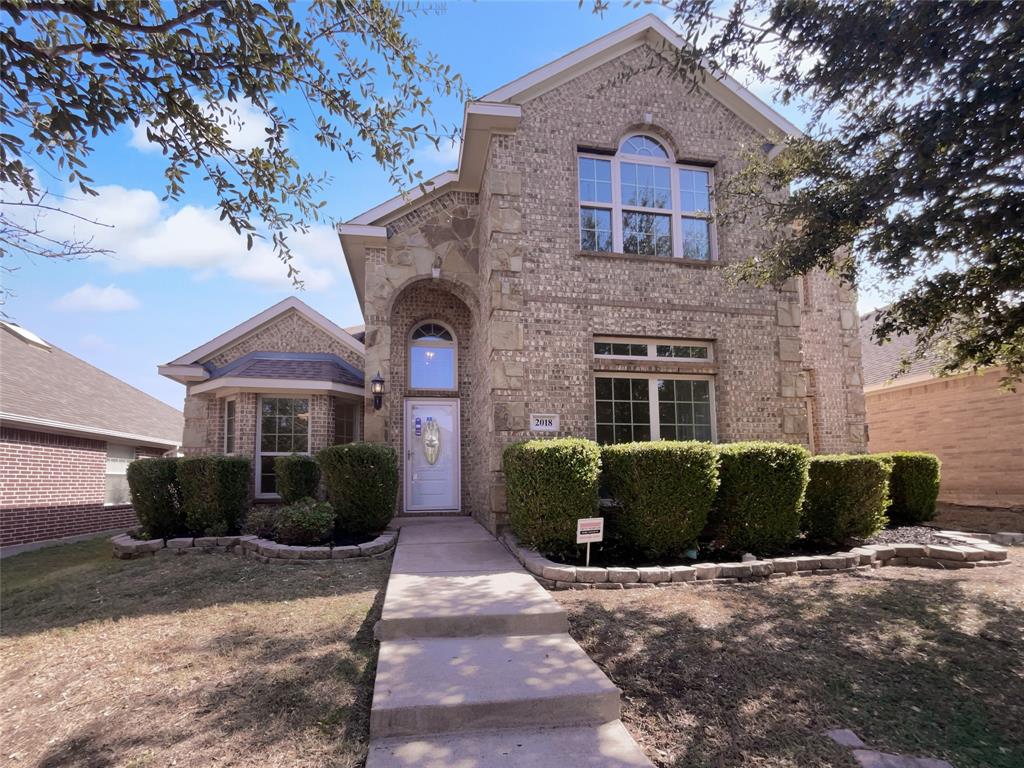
pixel 544 422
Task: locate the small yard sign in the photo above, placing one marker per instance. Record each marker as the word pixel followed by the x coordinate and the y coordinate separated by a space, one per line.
pixel 544 422
pixel 589 529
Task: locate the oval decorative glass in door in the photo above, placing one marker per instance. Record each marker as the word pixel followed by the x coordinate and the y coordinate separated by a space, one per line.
pixel 431 441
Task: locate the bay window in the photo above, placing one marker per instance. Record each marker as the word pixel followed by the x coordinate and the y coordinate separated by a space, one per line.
pixel 283 430
pixel 640 202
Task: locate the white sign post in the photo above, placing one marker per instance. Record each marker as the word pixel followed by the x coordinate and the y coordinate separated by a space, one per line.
pixel 589 529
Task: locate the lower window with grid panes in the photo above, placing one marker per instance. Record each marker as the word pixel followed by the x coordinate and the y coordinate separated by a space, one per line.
pixel 632 408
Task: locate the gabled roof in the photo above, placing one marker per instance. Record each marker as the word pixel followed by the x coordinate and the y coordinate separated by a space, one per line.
pixel 292 366
pixel 189 366
pixel 881 362
pixel 500 112
pixel 44 388
pixel 651 30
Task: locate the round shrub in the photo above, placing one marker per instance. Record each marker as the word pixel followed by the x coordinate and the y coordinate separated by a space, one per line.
pixel 262 521
pixel 847 497
pixel 665 490
pixel 362 485
pixel 913 486
pixel 307 522
pixel 761 489
pixel 298 477
pixel 214 493
pixel 550 484
pixel 156 497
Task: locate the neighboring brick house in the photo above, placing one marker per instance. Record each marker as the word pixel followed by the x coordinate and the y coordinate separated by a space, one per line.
pixel 972 424
pixel 566 279
pixel 67 433
pixel 285 381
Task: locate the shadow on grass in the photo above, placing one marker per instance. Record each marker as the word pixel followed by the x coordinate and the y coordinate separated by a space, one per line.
pixel 292 699
pixel 69 585
pixel 917 667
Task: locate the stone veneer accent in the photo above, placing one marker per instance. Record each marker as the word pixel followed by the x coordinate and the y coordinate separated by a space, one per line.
pixel 264 550
pixel 787 360
pixel 963 551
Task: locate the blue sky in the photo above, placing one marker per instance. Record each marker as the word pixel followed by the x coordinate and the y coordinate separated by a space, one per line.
pixel 179 277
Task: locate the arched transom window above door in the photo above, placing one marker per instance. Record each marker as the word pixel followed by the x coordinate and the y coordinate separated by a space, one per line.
pixel 432 357
pixel 640 202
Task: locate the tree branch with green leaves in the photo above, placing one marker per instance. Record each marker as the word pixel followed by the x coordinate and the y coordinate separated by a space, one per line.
pixel 72 72
pixel 911 176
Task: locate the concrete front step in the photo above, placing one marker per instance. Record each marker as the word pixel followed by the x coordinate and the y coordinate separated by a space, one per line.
pixel 443 685
pixel 597 746
pixel 468 604
pixel 444 557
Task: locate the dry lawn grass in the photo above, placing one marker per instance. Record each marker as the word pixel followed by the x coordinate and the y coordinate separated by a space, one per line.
pixel 195 660
pixel 915 661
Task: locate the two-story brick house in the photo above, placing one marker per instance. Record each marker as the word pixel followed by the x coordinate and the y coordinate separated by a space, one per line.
pixel 567 279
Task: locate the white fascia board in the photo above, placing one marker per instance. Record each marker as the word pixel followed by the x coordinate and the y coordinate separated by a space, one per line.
pixel 100 433
pixel 429 187
pixel 647 29
pixel 248 384
pixel 253 323
pixel 183 374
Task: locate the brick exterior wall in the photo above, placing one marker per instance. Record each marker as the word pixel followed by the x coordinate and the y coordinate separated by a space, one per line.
pixel 787 361
pixel 205 412
pixel 52 487
pixel 973 426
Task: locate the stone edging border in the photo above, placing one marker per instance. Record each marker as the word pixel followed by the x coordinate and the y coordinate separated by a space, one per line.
pixel 964 551
pixel 263 550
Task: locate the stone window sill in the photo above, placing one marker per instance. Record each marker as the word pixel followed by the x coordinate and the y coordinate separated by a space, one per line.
pixel 712 264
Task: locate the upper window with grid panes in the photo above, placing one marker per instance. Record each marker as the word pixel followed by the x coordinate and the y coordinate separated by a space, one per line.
pixel 640 202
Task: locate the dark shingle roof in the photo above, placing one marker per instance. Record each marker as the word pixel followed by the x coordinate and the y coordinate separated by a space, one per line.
pixel 305 367
pixel 48 383
pixel 881 362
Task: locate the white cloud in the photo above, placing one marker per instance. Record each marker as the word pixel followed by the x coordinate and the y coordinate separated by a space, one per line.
pixel 443 157
pixel 90 298
pixel 246 128
pixel 142 232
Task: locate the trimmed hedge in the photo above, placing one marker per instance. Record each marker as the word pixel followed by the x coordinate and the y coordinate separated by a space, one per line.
pixel 298 477
pixel 665 490
pixel 550 484
pixel 847 497
pixel 214 493
pixel 913 487
pixel 307 522
pixel 362 485
pixel 156 497
pixel 262 521
pixel 760 493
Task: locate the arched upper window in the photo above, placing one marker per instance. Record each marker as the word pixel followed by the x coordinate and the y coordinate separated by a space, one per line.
pixel 641 202
pixel 644 146
pixel 432 357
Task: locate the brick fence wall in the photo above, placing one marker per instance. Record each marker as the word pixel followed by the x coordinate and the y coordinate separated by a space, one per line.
pixel 52 486
pixel 972 425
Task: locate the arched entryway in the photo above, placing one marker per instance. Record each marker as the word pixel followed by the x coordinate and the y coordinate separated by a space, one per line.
pixel 431 399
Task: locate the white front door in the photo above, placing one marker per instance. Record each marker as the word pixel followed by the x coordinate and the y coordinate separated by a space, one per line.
pixel 431 455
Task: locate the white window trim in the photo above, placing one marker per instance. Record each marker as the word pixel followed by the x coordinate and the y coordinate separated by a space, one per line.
pixel 260 453
pixel 235 425
pixel 453 345
pixel 652 395
pixel 674 212
pixel 120 466
pixel 652 351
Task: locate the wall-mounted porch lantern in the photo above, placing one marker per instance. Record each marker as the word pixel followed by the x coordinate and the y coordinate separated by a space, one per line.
pixel 377 390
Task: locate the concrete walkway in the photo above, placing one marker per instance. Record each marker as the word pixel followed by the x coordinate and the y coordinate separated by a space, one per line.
pixel 476 666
